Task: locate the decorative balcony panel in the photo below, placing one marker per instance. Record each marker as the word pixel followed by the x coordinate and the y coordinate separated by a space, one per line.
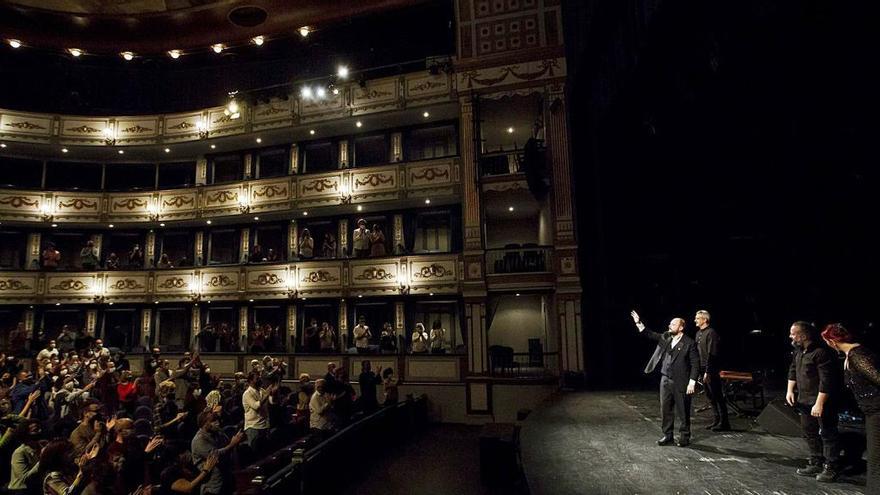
pixel 222 197
pixel 269 278
pixel 20 204
pixel 220 281
pixel 13 284
pixel 424 88
pixel 76 285
pixel 126 284
pixel 319 277
pixel 220 124
pixel 433 369
pixel 374 274
pixel 137 130
pixel 320 188
pixel 433 273
pixel 84 130
pixel 78 206
pixel 432 177
pixel 276 113
pixel 263 193
pixel 174 282
pixel 381 181
pixel 130 206
pixel 182 126
pixel 376 96
pixel 27 126
pixel 330 107
pixel 178 204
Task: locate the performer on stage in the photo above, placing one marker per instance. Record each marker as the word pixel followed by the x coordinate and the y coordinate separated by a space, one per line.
pixel 709 346
pixel 813 372
pixel 680 369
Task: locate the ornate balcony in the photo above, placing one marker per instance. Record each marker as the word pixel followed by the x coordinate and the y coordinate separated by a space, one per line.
pixel 429 178
pixel 423 274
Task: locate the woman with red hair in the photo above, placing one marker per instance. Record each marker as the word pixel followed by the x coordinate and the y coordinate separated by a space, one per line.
pixel 862 372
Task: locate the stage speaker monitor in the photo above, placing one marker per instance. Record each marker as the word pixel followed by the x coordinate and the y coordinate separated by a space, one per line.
pixel 780 419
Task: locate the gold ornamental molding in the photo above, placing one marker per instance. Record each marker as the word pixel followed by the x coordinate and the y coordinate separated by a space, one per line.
pixel 429 174
pixel 319 185
pixel 179 201
pixel 19 201
pixel 270 191
pixel 130 203
pixel 136 129
pixel 374 180
pixel 374 273
pixel 12 284
pixel 319 276
pixel 78 204
pixel 85 129
pixel 25 125
pixel 70 284
pixel 265 279
pixel 220 281
pixel 173 283
pixel 434 270
pixel 126 284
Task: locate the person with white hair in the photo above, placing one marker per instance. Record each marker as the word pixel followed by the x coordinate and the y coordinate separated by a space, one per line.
pixel 709 346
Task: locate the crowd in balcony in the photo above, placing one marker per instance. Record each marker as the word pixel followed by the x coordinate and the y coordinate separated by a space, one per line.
pixel 82 422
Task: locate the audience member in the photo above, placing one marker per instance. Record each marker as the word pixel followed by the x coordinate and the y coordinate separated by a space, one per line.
pixel 388 339
pixel 377 241
pixel 306 245
pixel 327 337
pixel 389 386
pixel 319 409
pixel 362 335
pixel 312 336
pixel 328 249
pixel 438 335
pixel 112 262
pixel 257 254
pixel 88 256
pixel 51 257
pixel 210 441
pixel 272 256
pixel 256 413
pixel 368 382
pixel 419 340
pixel 361 240
pixel 165 261
pixel 136 257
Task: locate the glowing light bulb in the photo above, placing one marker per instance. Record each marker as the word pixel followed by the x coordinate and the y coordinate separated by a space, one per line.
pixel 217 47
pixel 175 54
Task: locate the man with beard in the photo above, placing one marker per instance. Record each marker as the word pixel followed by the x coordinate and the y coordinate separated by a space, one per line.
pixel 210 440
pixel 127 457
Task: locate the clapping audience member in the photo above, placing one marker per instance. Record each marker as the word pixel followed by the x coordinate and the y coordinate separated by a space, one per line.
pixel 112 262
pixel 388 339
pixel 88 256
pixel 51 257
pixel 328 249
pixel 419 340
pixel 306 245
pixel 135 257
pixel 377 241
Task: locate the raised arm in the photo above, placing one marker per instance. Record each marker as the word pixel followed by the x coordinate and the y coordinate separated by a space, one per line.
pixel 642 328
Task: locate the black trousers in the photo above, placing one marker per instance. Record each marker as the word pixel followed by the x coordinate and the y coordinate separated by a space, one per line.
pixel 674 404
pixel 821 435
pixel 715 394
pixel 872 431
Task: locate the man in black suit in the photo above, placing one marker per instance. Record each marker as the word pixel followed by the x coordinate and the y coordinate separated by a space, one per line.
pixel 680 366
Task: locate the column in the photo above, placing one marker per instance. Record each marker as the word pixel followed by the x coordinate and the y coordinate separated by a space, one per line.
pixel 33 252
pixel 571 343
pixel 199 248
pixel 29 317
pixel 474 284
pixel 201 171
pixel 244 247
pixel 294 159
pixel 558 147
pixel 91 321
pixel 249 166
pixel 292 241
pixel 243 327
pixel 98 240
pixel 396 147
pixel 343 324
pixel 400 319
pixel 291 327
pixel 344 158
pixel 398 234
pixel 475 325
pixel 146 324
pixel 343 238
pixel 150 250
pixel 196 325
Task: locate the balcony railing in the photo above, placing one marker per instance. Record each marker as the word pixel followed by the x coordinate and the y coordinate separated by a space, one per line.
pixel 527 258
pixel 501 163
pixel 523 364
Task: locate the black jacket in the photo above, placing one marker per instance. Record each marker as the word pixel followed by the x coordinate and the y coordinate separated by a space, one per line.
pixel 709 345
pixel 815 369
pixel 685 358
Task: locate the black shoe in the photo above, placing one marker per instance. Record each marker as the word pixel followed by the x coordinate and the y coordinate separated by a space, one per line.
pixel 668 440
pixel 721 427
pixel 828 474
pixel 713 425
pixel 684 442
pixel 810 470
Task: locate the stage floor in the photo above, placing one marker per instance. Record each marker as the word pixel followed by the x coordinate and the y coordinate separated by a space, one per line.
pixel 600 443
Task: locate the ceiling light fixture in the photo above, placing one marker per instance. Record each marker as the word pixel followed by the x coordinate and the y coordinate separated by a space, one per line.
pixel 167 150
pixel 213 146
pixel 217 47
pixel 127 55
pixel 259 140
pixel 208 222
pixel 175 54
pixel 14 43
pixel 312 132
pixel 358 123
pixel 304 31
pixel 258 40
pixel 76 52
pixel 510 130
pixel 64 150
pixel 2 145
pixel 121 152
pixel 426 115
pixel 321 92
pixel 342 72
pixel 509 208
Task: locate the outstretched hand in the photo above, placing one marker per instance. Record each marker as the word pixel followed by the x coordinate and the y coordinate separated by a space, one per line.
pixel 635 317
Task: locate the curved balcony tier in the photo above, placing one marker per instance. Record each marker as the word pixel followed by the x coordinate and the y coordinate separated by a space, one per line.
pixel 390 276
pixel 402 181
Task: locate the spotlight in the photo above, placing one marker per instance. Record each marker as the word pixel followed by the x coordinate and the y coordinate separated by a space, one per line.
pixel 426 115
pixel 321 92
pixel 175 54
pixel 111 226
pixel 121 152
pixel 127 55
pixel 57 304
pixel 259 140
pixel 335 90
pixel 258 40
pixel 167 150
pixel 427 201
pixel 14 43
pixel 312 132
pixel 63 150
pixel 213 146
pixel 305 92
pixel 217 47
pixel 3 145
pixel 76 52
pixel 208 222
pixel 342 72
pixel 510 130
pixel 305 30
pixel 509 208
pixel 358 124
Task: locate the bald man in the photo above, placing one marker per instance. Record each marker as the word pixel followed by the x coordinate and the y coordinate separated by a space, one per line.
pixel 679 361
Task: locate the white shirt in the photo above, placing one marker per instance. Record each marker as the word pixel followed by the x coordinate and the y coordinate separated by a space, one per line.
pixel 256 413
pixel 361 336
pixel 319 406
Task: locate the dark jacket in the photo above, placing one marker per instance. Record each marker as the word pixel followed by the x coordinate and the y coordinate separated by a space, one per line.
pixel 815 369
pixel 709 345
pixel 685 363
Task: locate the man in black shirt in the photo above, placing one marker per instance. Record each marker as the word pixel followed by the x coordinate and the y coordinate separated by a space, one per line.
pixel 709 345
pixel 814 373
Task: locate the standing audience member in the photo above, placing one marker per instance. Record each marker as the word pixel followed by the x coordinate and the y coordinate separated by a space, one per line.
pixel 362 336
pixel 256 411
pixel 361 240
pixel 328 249
pixel 112 262
pixel 136 257
pixel 210 441
pixel 377 242
pixel 327 338
pixel 862 376
pixel 165 261
pixel 306 245
pixel 319 409
pixel 368 382
pixel 389 386
pixel 419 340
pixel 709 346
pixel 88 256
pixel 388 339
pixel 312 336
pixel 813 390
pixel 272 256
pixel 51 257
pixel 438 335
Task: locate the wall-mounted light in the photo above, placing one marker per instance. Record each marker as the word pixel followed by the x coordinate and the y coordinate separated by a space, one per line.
pixel 258 40
pixel 75 52
pixel 305 30
pixel 128 56
pixel 14 43
pixel 217 47
pixel 345 194
pixel 342 72
pixel 195 290
pixel 202 127
pixel 47 210
pixel 153 210
pixel 243 204
pixel 175 54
